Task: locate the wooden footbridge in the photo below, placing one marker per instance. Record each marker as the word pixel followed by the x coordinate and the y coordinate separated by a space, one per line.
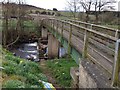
pixel 95 49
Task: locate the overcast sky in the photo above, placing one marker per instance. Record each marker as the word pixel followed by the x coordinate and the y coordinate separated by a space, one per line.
pixel 50 4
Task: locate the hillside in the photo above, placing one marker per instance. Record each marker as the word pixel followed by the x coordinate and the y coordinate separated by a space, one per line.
pixel 19 73
pixel 13 7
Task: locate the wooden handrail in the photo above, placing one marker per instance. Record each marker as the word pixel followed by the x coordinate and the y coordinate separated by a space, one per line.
pixel 89 30
pixel 112 29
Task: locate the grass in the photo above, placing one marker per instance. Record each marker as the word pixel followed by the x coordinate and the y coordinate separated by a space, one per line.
pixel 112 26
pixel 60 69
pixel 20 73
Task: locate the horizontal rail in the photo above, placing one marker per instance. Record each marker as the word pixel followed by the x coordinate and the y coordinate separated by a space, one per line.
pixel 89 30
pixel 112 29
pixel 103 29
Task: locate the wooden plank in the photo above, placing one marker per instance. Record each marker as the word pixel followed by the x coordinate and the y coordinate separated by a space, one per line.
pixel 102 47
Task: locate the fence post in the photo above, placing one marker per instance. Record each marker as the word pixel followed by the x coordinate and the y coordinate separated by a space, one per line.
pixel 57 28
pixel 53 23
pixel 69 39
pixel 62 31
pixel 86 40
pixel 116 67
pixel 57 25
pixel 116 33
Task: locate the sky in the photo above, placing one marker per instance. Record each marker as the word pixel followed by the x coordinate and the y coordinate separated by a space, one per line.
pixel 50 4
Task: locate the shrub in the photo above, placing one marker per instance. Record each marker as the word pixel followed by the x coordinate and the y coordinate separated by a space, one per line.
pixel 43 12
pixel 37 12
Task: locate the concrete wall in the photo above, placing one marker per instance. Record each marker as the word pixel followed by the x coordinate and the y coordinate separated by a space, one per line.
pixel 53 46
pixel 44 33
pixel 85 80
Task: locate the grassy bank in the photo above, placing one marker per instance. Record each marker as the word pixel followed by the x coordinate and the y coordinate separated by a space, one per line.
pixel 60 69
pixel 20 73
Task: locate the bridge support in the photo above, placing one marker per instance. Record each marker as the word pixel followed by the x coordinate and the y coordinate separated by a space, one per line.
pixel 44 33
pixel 53 46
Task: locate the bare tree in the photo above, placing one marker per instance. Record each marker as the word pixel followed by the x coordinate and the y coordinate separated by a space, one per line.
pixel 8 10
pixel 73 6
pixel 86 4
pixel 100 5
pixel 5 21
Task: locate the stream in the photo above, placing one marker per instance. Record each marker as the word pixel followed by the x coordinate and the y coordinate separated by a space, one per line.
pixel 30 51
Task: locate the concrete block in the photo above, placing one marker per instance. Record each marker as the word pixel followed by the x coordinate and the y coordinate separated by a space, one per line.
pixel 85 80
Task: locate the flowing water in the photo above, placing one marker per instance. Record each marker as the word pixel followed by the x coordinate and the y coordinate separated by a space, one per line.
pixel 30 51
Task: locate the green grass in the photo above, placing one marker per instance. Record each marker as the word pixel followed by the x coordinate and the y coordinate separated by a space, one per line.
pixel 19 73
pixel 29 23
pixel 60 69
pixel 112 26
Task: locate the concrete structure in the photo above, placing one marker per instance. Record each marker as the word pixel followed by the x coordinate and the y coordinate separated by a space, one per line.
pixel 74 72
pixel 53 46
pixel 44 33
pixel 85 80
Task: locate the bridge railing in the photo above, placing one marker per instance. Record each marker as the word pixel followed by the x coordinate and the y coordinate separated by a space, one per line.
pixel 92 44
pixel 99 28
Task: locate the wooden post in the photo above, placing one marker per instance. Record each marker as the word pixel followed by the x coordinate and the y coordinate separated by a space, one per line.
pixel 69 40
pixel 116 68
pixel 51 22
pixel 56 28
pixel 62 31
pixel 52 26
pixel 116 33
pixel 57 25
pixel 86 39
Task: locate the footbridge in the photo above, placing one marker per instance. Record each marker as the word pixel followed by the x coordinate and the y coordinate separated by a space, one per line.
pixel 95 49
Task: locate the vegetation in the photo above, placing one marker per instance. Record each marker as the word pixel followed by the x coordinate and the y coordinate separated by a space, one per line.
pixel 60 69
pixel 20 73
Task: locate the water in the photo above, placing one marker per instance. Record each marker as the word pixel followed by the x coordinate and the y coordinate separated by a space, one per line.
pixel 30 51
pixel 62 51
